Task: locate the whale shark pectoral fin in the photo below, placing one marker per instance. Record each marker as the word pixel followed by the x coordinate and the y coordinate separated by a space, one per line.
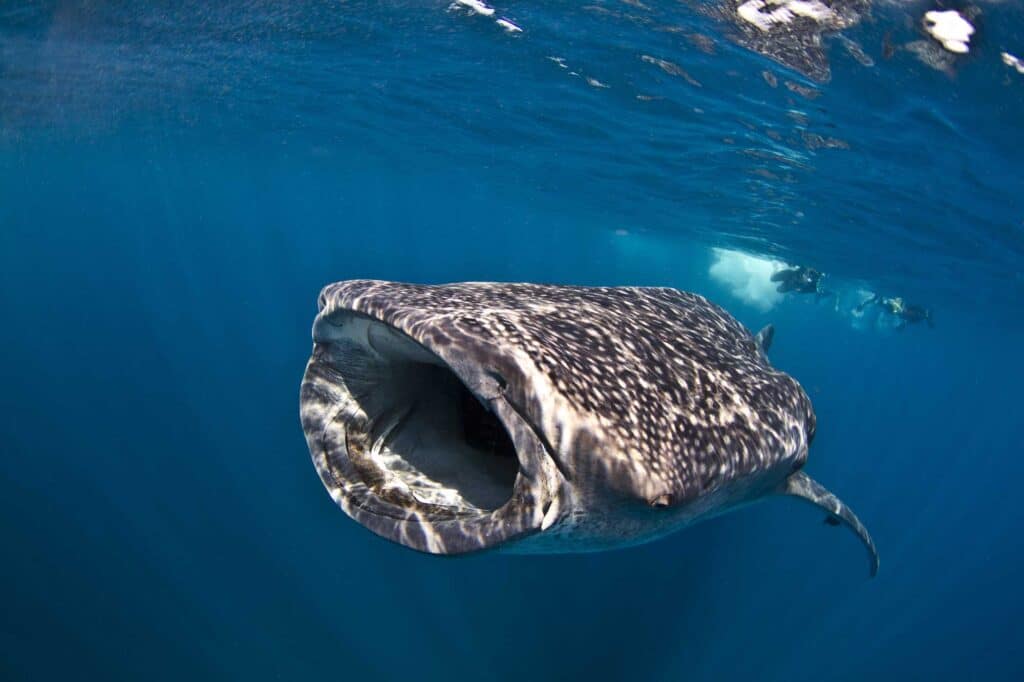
pixel 764 338
pixel 806 488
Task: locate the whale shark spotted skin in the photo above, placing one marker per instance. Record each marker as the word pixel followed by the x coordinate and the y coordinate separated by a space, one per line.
pixel 533 418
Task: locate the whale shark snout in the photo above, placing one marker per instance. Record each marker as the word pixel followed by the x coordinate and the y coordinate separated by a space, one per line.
pixel 531 418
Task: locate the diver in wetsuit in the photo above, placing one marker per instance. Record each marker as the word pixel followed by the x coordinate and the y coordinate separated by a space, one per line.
pixel 798 279
pixel 802 280
pixel 911 313
pixel 905 313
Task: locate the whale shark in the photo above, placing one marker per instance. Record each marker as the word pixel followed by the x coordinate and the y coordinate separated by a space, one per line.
pixel 533 418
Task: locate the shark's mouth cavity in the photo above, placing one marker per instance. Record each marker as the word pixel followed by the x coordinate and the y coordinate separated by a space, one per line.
pixel 407 428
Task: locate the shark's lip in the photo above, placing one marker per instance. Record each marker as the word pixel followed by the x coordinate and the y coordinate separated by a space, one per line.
pixel 400 516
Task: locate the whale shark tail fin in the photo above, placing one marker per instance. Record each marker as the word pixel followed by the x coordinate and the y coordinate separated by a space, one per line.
pixel 763 339
pixel 806 488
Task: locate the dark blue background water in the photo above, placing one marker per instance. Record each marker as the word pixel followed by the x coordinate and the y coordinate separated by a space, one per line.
pixel 178 181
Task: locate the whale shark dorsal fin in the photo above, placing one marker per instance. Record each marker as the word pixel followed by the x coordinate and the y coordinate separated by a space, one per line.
pixel 806 488
pixel 764 338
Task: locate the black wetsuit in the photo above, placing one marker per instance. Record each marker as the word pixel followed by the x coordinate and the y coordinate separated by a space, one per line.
pixel 905 313
pixel 916 313
pixel 799 279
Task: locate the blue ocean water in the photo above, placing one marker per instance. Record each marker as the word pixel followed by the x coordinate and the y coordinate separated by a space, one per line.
pixel 179 179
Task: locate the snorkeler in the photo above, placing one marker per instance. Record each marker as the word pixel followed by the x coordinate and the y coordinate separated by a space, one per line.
pixel 916 313
pixel 801 280
pixel 905 313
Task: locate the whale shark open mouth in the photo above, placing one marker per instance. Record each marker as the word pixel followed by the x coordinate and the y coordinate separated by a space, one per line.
pixel 430 438
pixel 414 432
pixel 409 449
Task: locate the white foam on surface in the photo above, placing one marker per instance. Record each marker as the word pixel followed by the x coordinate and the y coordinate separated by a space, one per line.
pixel 508 26
pixel 782 12
pixel 1013 62
pixel 950 29
pixel 475 6
pixel 747 277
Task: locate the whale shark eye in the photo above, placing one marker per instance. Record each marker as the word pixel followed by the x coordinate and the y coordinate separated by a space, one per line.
pixel 661 501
